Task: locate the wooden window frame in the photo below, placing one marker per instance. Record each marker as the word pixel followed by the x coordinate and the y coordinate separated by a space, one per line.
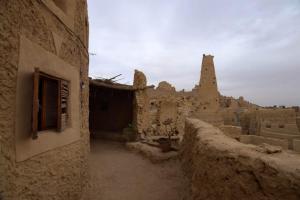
pixel 62 96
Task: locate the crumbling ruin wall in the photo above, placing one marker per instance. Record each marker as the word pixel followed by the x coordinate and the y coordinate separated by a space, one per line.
pixel 231 117
pixel 230 102
pixel 296 145
pixel 231 131
pixel 165 103
pixel 220 167
pixel 284 120
pixel 298 123
pixel 167 110
pixel 203 102
pixel 260 140
pixel 59 173
pixel 232 109
pixel 279 123
pixel 185 104
pixel 278 115
pixel 141 103
pixel 251 122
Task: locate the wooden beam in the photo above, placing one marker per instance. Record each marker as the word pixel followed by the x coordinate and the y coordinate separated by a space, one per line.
pixel 44 105
pixel 35 103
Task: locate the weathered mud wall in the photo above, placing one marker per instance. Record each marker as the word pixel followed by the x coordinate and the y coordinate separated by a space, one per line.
pixel 59 173
pixel 220 167
pixel 260 140
pixel 286 115
pixel 231 131
pixel 165 103
pixel 203 102
pixel 279 123
pixel 9 40
pixel 141 103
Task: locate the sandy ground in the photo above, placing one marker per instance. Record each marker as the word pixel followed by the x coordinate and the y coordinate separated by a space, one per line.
pixel 118 174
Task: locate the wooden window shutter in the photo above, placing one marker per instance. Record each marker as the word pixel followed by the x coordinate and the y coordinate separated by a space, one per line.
pixel 35 103
pixel 63 97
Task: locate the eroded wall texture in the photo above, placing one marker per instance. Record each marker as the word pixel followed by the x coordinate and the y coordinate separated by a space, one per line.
pixel 220 167
pixel 60 29
pixel 278 123
pixel 141 108
pixel 203 102
pixel 165 103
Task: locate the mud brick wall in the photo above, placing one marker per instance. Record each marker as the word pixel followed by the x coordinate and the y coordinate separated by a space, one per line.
pixel 61 172
pixel 220 167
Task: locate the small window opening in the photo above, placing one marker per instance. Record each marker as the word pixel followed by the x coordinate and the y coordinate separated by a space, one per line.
pixel 268 126
pixel 281 126
pixel 50 103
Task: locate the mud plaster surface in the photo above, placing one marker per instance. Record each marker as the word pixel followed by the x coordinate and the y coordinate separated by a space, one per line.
pixel 61 171
pixel 117 173
pixel 220 167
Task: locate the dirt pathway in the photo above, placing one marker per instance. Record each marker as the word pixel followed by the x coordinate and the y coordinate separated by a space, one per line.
pixel 118 174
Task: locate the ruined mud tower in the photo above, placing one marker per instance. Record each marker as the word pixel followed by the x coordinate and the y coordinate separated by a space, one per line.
pixel 208 88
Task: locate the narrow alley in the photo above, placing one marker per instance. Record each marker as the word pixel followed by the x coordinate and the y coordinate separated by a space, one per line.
pixel 119 174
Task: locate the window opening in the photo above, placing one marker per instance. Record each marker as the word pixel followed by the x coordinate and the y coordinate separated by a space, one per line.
pixel 50 103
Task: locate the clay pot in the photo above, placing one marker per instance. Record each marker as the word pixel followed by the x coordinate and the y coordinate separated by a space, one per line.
pixel 165 145
pixel 130 134
pixel 298 122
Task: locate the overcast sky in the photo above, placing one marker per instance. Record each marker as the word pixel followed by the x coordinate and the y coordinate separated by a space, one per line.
pixel 256 44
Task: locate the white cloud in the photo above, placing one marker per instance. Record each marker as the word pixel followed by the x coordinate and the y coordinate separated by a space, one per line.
pixel 256 44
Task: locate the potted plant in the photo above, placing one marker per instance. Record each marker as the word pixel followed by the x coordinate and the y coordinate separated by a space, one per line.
pixel 166 143
pixel 129 133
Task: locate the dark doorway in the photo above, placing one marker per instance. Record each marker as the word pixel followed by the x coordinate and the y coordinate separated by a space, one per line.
pixel 111 110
